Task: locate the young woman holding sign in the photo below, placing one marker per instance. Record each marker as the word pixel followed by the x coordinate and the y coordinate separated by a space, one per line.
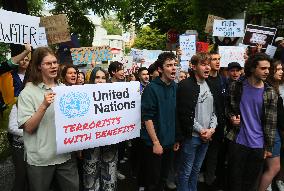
pixel 36 116
pixel 100 163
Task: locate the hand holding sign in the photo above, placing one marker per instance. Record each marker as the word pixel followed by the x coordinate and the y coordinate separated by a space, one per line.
pixel 28 47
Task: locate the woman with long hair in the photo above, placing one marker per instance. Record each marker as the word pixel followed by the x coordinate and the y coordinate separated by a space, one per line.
pixel 100 163
pixel 273 162
pixel 37 118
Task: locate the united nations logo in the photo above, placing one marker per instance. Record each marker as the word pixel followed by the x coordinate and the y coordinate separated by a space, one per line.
pixel 74 104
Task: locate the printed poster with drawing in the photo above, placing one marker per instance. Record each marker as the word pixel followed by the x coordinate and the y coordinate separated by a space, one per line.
pixel 93 115
pixel 259 35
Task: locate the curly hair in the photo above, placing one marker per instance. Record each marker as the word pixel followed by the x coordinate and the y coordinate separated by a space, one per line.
pixel 253 61
pixel 164 57
pixel 114 67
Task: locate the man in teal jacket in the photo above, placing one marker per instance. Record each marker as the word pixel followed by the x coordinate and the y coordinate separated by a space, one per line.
pixel 158 113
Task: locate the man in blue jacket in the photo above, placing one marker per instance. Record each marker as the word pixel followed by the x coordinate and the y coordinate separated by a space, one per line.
pixel 158 113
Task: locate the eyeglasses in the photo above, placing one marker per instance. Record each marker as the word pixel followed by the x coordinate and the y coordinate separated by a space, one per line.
pixel 49 64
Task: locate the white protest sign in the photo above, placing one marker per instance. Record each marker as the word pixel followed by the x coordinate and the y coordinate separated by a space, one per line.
pixel 42 41
pixel 229 28
pixel 188 46
pixel 270 50
pixel 19 28
pixel 232 54
pixel 95 115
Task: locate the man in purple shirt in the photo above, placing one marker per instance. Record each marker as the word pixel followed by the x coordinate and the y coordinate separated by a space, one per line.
pixel 252 110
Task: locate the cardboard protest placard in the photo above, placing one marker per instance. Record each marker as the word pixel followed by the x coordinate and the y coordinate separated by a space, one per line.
pixel 96 115
pixel 232 54
pixel 229 28
pixel 210 21
pixel 202 47
pixel 270 50
pixel 85 55
pixel 259 35
pixel 19 28
pixel 57 28
pixel 188 46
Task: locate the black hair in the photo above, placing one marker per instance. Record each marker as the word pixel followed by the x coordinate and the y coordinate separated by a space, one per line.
pixel 94 72
pixel 253 61
pixel 141 69
pixel 114 67
pixel 164 57
pixel 83 76
pixel 227 38
pixel 152 68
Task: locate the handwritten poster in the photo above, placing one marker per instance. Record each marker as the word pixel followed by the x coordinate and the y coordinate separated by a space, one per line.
pixel 259 35
pixel 229 28
pixel 85 55
pixel 232 54
pixel 188 46
pixel 19 28
pixel 57 28
pixel 95 115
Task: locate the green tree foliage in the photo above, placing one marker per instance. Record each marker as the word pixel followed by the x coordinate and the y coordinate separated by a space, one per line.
pixel 178 14
pixel 150 39
pixel 271 10
pixel 35 7
pixel 4 50
pixel 112 25
pixel 79 24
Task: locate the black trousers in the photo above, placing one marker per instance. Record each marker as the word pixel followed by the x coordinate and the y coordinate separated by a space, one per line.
pixel 245 167
pixel 21 177
pixel 156 168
